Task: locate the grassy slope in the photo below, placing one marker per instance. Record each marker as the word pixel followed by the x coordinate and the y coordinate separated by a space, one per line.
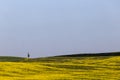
pixel 60 68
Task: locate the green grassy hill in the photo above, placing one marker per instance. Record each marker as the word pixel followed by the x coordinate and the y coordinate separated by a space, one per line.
pixel 10 59
pixel 60 68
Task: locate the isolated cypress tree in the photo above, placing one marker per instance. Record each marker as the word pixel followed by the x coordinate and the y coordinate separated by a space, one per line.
pixel 28 55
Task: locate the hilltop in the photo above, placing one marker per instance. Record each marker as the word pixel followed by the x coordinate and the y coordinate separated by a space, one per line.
pixel 10 59
pixel 19 59
pixel 92 54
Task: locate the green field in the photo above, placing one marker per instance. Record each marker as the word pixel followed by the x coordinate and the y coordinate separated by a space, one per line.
pixel 60 68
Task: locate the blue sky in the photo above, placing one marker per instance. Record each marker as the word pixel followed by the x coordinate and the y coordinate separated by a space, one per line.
pixel 57 27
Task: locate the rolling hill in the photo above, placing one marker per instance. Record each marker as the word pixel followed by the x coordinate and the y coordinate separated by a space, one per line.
pixel 66 67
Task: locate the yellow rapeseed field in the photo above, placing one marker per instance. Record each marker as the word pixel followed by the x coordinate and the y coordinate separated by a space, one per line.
pixel 62 68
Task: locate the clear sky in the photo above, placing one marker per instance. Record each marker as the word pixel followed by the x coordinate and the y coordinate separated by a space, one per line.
pixel 57 27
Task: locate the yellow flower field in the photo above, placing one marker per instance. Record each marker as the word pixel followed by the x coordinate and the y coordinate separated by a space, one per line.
pixel 61 68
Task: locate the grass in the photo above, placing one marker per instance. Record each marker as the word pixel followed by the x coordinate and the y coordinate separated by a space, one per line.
pixel 60 68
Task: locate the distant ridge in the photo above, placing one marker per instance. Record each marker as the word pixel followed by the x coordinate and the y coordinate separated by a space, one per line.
pixel 91 54
pixel 24 59
pixel 10 59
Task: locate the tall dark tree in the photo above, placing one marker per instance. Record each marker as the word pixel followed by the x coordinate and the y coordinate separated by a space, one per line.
pixel 28 55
